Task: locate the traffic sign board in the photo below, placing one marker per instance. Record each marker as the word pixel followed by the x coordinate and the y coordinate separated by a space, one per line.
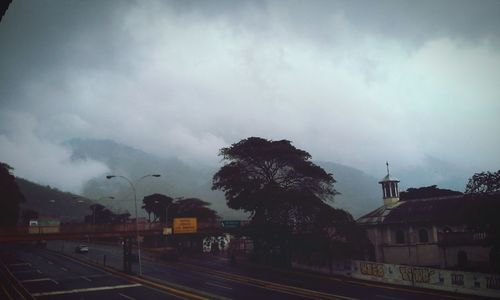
pixel 228 224
pixel 185 225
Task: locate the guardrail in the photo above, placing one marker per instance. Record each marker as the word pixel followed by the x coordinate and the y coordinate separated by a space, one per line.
pixel 66 231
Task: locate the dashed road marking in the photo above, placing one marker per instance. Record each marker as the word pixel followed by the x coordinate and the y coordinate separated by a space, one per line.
pixel 36 280
pixel 126 297
pixel 50 263
pixel 102 288
pixel 19 264
pixel 64 269
pixel 218 285
pixel 86 278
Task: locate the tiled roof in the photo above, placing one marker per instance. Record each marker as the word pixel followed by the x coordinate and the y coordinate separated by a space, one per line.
pixel 450 209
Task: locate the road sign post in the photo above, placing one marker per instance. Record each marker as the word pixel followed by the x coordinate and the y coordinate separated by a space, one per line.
pixel 230 224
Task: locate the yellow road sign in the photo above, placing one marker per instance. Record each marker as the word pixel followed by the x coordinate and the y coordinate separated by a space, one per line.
pixel 185 225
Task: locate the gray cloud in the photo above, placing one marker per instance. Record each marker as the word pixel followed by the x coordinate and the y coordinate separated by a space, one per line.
pixel 353 82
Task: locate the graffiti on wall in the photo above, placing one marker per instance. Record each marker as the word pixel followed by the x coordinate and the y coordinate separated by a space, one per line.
pixel 422 275
pixel 493 283
pixel 372 269
pixel 216 244
pixel 457 279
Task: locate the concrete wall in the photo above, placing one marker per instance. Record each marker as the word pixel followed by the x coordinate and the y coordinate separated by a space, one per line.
pixel 476 255
pixel 417 254
pixel 452 281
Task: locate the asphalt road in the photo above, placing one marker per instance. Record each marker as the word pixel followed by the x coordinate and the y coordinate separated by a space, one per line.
pixel 48 275
pixel 185 276
pixel 216 278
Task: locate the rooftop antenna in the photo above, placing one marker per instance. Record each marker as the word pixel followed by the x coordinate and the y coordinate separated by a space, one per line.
pixel 387 164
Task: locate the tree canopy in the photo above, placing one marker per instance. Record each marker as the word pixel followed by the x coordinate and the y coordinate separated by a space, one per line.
pixel 10 197
pixel 194 207
pixel 161 206
pixel 483 182
pixel 102 215
pixel 157 204
pixel 426 192
pixel 274 181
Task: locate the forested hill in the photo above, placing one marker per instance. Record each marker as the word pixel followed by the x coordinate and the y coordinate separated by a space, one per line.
pixel 51 202
pixel 360 192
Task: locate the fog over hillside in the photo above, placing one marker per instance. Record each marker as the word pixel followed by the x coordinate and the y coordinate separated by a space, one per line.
pixel 360 192
pixel 351 82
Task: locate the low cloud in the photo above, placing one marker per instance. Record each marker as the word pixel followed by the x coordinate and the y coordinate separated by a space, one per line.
pixel 182 79
pixel 41 160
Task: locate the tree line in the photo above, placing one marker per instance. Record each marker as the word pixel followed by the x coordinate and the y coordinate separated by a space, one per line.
pixel 288 197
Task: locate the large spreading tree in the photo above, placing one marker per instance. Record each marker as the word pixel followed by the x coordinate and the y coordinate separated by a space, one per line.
pixel 157 204
pixel 273 181
pixel 279 186
pixel 10 197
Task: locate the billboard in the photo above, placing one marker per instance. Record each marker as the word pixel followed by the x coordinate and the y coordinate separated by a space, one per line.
pixel 185 225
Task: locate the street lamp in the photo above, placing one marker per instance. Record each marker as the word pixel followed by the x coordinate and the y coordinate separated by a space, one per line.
pixel 166 211
pixel 136 218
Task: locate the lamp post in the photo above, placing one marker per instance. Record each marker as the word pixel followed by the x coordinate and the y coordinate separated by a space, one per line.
pixel 166 211
pixel 136 218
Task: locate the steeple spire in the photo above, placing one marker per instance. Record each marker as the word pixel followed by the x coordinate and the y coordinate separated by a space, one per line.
pixel 390 188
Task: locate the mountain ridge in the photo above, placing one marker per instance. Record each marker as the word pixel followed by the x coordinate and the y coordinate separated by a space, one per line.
pixel 359 191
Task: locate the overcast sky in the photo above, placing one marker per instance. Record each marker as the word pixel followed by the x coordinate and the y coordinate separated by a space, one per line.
pixel 353 82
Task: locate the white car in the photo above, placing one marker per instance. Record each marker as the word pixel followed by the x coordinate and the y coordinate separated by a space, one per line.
pixel 82 249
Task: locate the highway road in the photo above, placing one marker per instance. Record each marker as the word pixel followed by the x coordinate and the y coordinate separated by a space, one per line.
pixel 59 273
pixel 218 279
pixel 49 275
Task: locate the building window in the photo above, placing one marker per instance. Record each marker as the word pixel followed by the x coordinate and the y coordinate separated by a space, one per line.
pixel 423 235
pixel 400 237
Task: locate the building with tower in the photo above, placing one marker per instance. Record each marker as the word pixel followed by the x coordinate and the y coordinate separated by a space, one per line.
pixel 432 232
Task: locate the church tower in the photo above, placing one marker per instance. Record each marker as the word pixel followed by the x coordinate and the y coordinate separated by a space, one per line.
pixel 390 188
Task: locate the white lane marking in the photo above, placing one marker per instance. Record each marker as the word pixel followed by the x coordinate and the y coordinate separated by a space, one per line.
pixel 50 263
pixel 54 281
pixel 126 297
pixel 35 280
pixel 64 269
pixel 38 271
pixel 19 264
pixel 102 288
pixel 218 285
pixel 86 278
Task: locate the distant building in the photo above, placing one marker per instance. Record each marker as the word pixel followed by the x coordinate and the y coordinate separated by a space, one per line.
pixel 430 232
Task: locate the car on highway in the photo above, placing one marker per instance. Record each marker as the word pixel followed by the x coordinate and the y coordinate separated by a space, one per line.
pixel 82 249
